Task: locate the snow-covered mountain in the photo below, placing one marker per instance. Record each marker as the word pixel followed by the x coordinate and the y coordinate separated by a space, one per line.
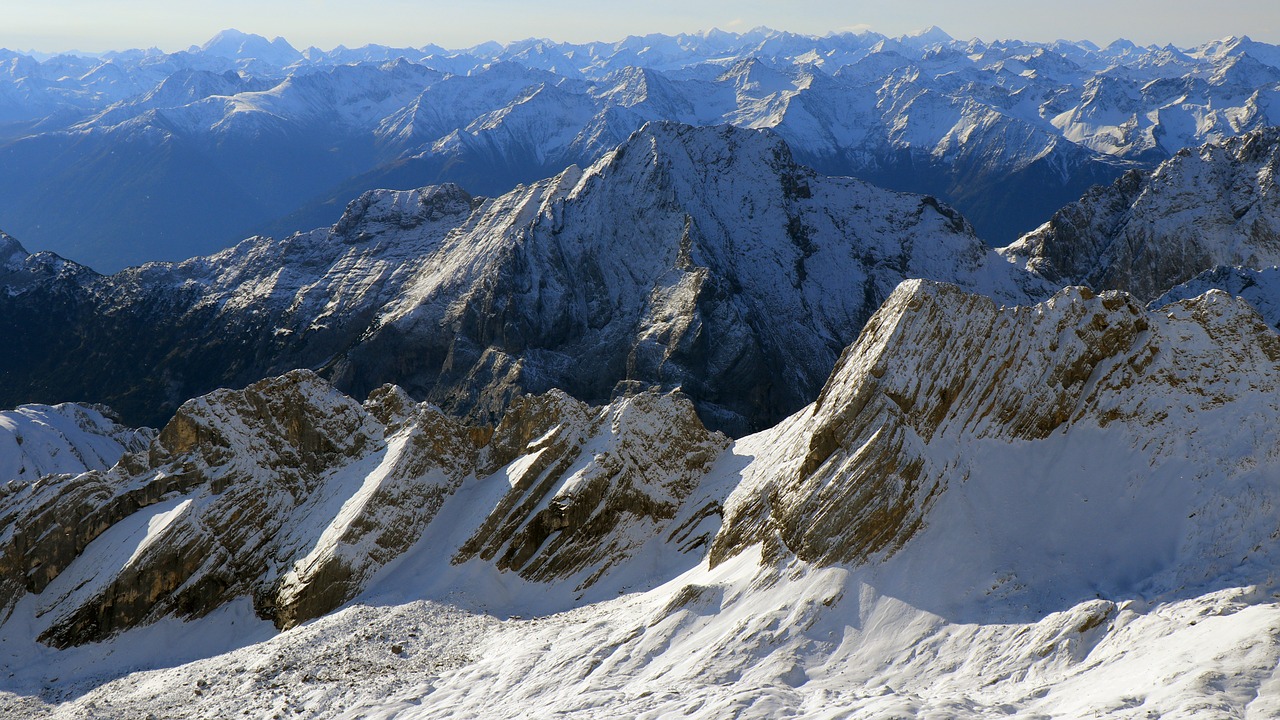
pixel 1260 287
pixel 39 440
pixel 1061 509
pixel 1218 205
pixel 238 46
pixel 699 258
pixel 166 156
pixel 663 421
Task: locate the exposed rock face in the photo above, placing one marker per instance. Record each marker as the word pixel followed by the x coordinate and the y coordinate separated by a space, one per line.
pixel 936 371
pixel 704 259
pixel 287 491
pixel 1217 205
pixel 293 494
pixel 428 454
pixel 589 487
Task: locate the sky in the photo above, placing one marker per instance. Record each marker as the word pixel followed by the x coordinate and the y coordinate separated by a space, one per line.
pixel 98 25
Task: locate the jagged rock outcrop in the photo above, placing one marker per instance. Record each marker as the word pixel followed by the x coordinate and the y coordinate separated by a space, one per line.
pixel 1218 205
pixel 427 457
pixel 704 259
pixel 589 487
pixel 287 491
pixel 293 494
pixel 938 373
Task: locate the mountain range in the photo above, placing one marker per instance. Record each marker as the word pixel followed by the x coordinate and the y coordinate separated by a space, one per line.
pixel 700 258
pixel 881 551
pixel 166 156
pixel 696 426
pixel 704 259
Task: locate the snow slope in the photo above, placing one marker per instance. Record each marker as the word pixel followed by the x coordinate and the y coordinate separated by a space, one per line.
pixel 37 440
pixel 1060 510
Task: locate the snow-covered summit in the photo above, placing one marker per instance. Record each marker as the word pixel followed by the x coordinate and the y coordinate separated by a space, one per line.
pixel 931 36
pixel 235 45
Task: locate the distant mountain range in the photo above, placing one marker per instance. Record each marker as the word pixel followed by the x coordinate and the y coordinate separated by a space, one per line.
pixel 142 155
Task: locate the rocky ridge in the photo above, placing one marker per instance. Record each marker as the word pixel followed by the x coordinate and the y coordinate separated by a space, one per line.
pixel 674 261
pixel 590 488
pixel 940 378
pixel 294 495
pixel 1217 205
pixel 229 492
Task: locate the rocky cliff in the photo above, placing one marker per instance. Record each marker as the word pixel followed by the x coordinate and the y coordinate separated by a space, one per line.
pixel 1216 205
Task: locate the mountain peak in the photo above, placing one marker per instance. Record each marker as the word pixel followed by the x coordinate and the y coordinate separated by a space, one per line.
pixel 931 34
pixel 229 38
pixel 705 150
pixel 11 251
pixel 1120 45
pixel 377 211
pixel 236 45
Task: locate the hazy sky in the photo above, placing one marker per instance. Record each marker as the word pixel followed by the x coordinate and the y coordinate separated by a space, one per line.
pixel 95 25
